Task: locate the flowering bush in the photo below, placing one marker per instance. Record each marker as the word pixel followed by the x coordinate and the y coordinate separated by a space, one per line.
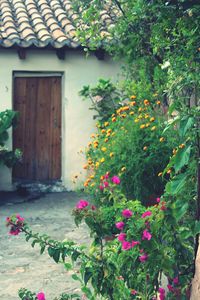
pixel 130 144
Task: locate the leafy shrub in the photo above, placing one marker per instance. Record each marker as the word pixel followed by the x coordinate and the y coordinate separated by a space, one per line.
pixel 131 144
pixel 8 118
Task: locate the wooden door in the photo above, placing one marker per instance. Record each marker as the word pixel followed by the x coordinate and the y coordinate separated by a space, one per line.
pixel 38 134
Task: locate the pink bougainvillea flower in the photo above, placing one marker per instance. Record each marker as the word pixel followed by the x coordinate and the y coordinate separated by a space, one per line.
pixel 127 213
pixel 170 288
pixel 14 231
pixel 82 204
pixel 121 237
pixel 41 296
pixel 146 235
pixel 146 214
pixel 134 243
pixel 158 200
pixel 126 245
pixel 133 292
pixel 161 294
pixel 106 184
pixel 175 280
pixel 19 218
pixel 120 225
pixel 101 187
pixel 143 257
pixel 115 179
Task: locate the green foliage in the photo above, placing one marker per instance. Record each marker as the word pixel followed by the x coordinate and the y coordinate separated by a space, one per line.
pixel 8 118
pixel 104 98
pixel 131 144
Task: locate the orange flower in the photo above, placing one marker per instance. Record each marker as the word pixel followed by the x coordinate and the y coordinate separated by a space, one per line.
pixel 181 146
pixel 133 103
pixel 103 131
pixel 86 184
pixel 140 109
pixel 158 102
pixel 106 140
pixel 146 102
pixel 92 135
pixel 133 97
pixel 114 119
pixel 169 171
pixel 142 126
pixel 85 167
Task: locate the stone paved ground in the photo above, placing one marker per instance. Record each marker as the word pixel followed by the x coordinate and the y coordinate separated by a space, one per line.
pixel 23 266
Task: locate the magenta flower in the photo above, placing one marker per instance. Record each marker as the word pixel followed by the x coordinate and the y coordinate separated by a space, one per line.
pixel 134 243
pixel 82 204
pixel 143 257
pixel 146 214
pixel 158 200
pixel 41 296
pixel 170 288
pixel 133 292
pixel 19 218
pixel 14 230
pixel 93 207
pixel 115 180
pixel 146 235
pixel 106 176
pixel 101 187
pixel 127 213
pixel 175 280
pixel 161 294
pixel 122 237
pixel 120 225
pixel 106 184
pixel 126 245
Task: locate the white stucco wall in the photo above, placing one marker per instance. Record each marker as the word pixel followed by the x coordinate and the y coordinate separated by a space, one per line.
pixel 77 121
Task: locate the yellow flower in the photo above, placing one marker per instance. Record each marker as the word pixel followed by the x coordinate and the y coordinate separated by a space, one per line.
pixel 102 178
pixel 147 125
pixel 125 108
pixel 95 145
pixel 113 115
pixel 89 144
pixel 102 160
pixel 91 176
pixel 108 134
pixel 92 135
pixel 133 97
pixel 152 119
pixel 146 116
pixel 131 113
pixel 114 119
pixel 103 149
pixel 140 116
pixel 123 169
pixel 142 126
pixel 140 109
pixel 153 128
pixel 123 115
pixel 111 154
pixel 162 139
pixel 145 148
pixel 92 184
pixel 103 131
pixel 106 124
pixel 146 102
pixel 97 164
pixel 109 130
pixel 136 120
pixel 155 95
pixel 113 134
pixel 106 140
pixel 160 174
pixel 169 171
pixel 158 102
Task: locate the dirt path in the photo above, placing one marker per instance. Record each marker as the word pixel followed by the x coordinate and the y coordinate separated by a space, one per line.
pixel 23 266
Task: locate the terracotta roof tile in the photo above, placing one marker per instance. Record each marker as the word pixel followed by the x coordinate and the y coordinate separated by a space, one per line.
pixel 42 23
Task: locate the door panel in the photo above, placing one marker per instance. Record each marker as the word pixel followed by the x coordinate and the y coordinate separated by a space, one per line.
pixel 38 135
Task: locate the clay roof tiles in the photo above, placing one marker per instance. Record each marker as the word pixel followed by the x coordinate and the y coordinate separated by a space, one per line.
pixel 41 23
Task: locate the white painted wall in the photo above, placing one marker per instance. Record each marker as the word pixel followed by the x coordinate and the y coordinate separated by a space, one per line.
pixel 77 121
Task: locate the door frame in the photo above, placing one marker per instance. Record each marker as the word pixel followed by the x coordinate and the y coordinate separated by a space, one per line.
pixel 22 73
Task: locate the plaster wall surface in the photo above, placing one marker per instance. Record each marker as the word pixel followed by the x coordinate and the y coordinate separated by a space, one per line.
pixel 77 120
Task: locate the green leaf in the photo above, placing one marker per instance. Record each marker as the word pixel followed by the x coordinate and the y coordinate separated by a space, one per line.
pixel 185 124
pixel 56 255
pixel 182 158
pixel 196 227
pixel 42 248
pixel 171 123
pixel 87 275
pixel 180 210
pixel 51 251
pixel 75 277
pixel 174 186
